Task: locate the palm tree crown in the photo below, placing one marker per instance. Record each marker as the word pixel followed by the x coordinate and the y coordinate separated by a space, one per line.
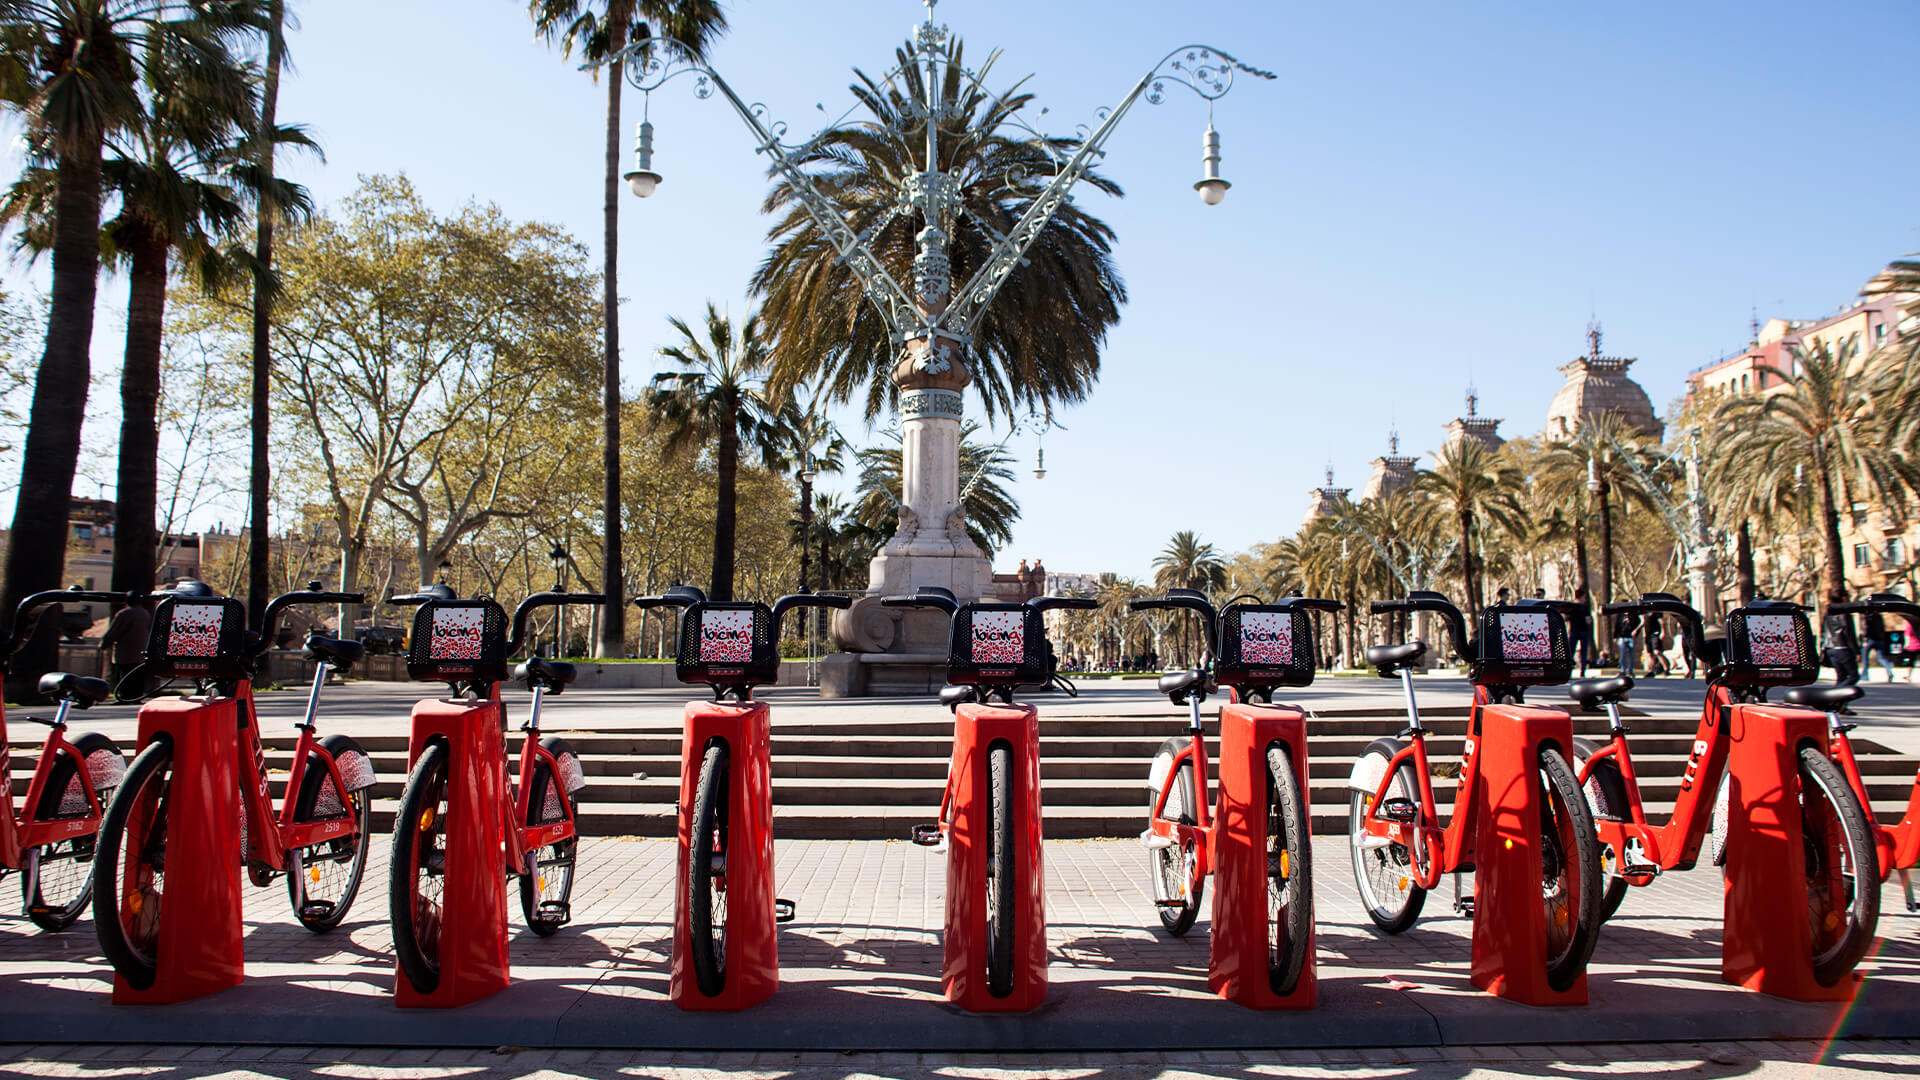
pixel 1470 484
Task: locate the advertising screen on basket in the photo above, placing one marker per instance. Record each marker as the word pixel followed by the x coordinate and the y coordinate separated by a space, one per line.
pixel 1773 640
pixel 1524 636
pixel 999 637
pixel 726 637
pixel 457 633
pixel 1266 637
pixel 195 630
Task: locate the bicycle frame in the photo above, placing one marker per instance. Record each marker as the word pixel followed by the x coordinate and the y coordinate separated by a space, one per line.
pixel 1675 845
pixel 270 836
pixel 527 838
pixel 1897 845
pixel 1454 842
pixel 1200 833
pixel 19 833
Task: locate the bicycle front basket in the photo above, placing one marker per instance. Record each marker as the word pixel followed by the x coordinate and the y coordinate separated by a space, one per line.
pixel 458 641
pixel 1264 646
pixel 728 644
pixel 998 644
pixel 198 638
pixel 1768 646
pixel 1521 646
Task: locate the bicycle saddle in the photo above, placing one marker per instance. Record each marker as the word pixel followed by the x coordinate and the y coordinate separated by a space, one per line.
pixel 953 697
pixel 339 652
pixel 1179 683
pixel 1389 658
pixel 82 689
pixel 1592 693
pixel 1824 698
pixel 554 674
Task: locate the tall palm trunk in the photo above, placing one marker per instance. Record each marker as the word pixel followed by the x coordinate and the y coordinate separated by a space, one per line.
pixel 1836 572
pixel 37 547
pixel 1582 580
pixel 1606 544
pixel 806 527
pixel 1743 563
pixel 259 547
pixel 1467 580
pixel 134 543
pixel 721 588
pixel 613 620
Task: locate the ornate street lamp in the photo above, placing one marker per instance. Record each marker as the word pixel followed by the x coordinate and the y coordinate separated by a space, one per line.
pixel 559 558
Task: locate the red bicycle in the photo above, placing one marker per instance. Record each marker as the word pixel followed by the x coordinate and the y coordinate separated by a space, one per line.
pixel 464 643
pixel 1768 644
pixel 318 837
pixel 50 842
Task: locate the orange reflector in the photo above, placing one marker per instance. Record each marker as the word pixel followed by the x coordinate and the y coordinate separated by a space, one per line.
pixel 134 901
pixel 1404 882
pixel 1286 869
pixel 426 818
pixel 313 873
pixel 1509 843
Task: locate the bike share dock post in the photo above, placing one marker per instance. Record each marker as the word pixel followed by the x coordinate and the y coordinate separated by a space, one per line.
pixel 473 927
pixel 1509 921
pixel 1238 956
pixel 1766 944
pixel 964 976
pixel 199 949
pixel 753 938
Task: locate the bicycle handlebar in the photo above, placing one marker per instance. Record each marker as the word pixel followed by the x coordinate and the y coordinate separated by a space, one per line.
pixel 26 618
pixel 1892 603
pixel 798 600
pixel 1666 604
pixel 678 596
pixel 929 596
pixel 1071 603
pixel 1185 600
pixel 312 594
pixel 540 600
pixel 1427 600
pixel 427 594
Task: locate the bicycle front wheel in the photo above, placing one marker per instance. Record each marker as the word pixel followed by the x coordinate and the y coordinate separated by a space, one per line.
pixel 1569 871
pixel 1606 792
pixel 1384 871
pixel 416 880
pixel 546 889
pixel 323 879
pixel 130 866
pixel 707 873
pixel 57 881
pixel 1843 869
pixel 1170 868
pixel 1002 887
pixel 1289 874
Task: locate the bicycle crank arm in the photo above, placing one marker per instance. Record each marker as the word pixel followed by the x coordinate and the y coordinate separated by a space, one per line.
pixel 933 836
pixel 783 911
pixel 1153 841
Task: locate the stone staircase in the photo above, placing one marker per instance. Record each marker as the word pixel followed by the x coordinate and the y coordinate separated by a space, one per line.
pixel 875 779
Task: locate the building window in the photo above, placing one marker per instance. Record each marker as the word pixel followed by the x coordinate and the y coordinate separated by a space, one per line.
pixel 1760 378
pixel 1880 335
pixel 1860 557
pixel 1743 384
pixel 84 532
pixel 1896 551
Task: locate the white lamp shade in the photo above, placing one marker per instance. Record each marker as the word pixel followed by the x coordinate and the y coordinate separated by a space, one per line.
pixel 643 183
pixel 1212 190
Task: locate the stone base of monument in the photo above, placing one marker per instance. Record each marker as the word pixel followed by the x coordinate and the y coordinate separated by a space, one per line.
pixel 883 674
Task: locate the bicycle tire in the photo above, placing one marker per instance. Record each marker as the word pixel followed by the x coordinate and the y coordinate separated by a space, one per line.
pixel 1003 890
pixel 55 902
pixel 1169 869
pixel 706 890
pixel 1569 864
pixel 550 876
pixel 1383 873
pixel 323 881
pixel 1606 792
pixel 1843 869
pixel 1289 874
pixel 417 875
pixel 141 808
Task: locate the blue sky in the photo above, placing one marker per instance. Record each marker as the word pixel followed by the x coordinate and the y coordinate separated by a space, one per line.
pixel 1427 195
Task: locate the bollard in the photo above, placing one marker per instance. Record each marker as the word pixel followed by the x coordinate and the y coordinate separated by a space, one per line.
pixel 1238 963
pixel 752 971
pixel 964 977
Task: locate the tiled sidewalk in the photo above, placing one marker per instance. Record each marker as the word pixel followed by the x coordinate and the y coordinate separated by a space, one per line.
pixel 861 971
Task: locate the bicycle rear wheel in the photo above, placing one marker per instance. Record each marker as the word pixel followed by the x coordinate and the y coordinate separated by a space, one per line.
pixel 546 889
pixel 1569 871
pixel 57 881
pixel 1384 871
pixel 1170 868
pixel 323 880
pixel 130 866
pixel 1003 889
pixel 1289 874
pixel 1843 870
pixel 1606 792
pixel 417 876
pixel 707 873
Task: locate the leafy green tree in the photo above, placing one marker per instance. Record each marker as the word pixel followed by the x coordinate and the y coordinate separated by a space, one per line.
pixel 806 443
pixel 721 398
pixel 1467 486
pixel 600 30
pixel 1039 342
pixel 990 509
pixel 1187 563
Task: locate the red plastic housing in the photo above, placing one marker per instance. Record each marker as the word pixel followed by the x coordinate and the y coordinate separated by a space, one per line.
pixel 1237 959
pixel 1509 921
pixel 473 928
pixel 964 977
pixel 753 949
pixel 200 946
pixel 1767 945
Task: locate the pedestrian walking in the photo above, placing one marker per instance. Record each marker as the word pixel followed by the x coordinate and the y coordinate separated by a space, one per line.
pixel 1583 632
pixel 1625 638
pixel 124 644
pixel 1874 642
pixel 1656 642
pixel 1842 652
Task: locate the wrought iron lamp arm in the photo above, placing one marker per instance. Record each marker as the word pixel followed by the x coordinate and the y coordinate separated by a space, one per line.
pixel 1206 70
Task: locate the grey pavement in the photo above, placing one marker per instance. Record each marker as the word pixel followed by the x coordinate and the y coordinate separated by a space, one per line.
pixel 861 972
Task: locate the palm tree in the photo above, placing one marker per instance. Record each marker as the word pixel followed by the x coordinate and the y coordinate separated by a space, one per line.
pixel 806 443
pixel 1599 468
pixel 1039 342
pixel 720 398
pixel 1187 563
pixel 600 30
pixel 1842 423
pixel 1470 484
pixel 989 508
pixel 268 213
pixel 1114 594
pixel 71 69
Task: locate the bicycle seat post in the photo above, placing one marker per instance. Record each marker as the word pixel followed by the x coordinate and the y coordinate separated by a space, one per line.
pixel 533 711
pixel 1614 724
pixel 320 671
pixel 1413 706
pixel 1193 707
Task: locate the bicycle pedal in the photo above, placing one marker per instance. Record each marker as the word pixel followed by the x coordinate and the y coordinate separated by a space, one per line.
pixel 1464 905
pixel 316 909
pixel 783 911
pixel 555 911
pixel 1175 905
pixel 928 835
pixel 1399 811
pixel 1153 841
